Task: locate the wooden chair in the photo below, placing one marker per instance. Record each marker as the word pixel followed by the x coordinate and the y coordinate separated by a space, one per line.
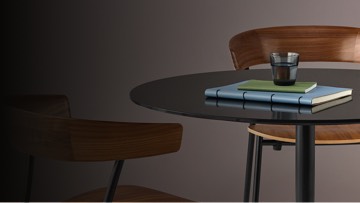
pixel 41 126
pixel 313 43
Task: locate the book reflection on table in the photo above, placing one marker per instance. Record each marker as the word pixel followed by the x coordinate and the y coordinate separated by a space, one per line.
pixel 275 107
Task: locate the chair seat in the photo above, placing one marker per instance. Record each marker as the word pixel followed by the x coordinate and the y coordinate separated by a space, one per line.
pixel 129 193
pixel 324 134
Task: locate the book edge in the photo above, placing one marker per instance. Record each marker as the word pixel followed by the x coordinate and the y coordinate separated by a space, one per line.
pixel 330 97
pixel 265 89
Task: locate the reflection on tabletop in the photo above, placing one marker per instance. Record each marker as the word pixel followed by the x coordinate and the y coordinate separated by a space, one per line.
pixel 275 107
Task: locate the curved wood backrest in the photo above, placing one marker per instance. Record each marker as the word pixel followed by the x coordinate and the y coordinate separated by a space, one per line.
pixel 55 105
pixel 70 139
pixel 313 43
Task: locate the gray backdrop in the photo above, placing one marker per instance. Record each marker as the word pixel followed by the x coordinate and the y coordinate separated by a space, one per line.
pixel 95 52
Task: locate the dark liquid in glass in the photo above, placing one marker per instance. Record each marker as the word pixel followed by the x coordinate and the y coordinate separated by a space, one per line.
pixel 284 74
pixel 284 82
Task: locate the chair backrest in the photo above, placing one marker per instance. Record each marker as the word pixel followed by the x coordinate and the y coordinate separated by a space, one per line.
pixel 313 43
pixel 55 105
pixel 41 126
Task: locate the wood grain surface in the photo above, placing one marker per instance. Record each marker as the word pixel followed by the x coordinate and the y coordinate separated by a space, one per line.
pixel 35 130
pixel 313 43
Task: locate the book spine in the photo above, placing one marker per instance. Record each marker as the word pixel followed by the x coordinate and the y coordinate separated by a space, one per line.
pixel 211 93
pixel 290 99
pixel 256 96
pixel 221 93
pixel 278 97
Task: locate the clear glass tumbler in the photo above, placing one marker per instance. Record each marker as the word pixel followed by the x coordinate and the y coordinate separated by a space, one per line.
pixel 284 67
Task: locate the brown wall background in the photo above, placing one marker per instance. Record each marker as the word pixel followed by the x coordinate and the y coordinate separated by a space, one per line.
pixel 95 52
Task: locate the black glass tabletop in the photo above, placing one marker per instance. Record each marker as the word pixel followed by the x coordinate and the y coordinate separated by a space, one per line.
pixel 184 95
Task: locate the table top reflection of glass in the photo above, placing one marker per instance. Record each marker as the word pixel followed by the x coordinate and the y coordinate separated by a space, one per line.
pixel 184 95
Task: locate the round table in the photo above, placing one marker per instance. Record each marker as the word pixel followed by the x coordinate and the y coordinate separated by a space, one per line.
pixel 184 95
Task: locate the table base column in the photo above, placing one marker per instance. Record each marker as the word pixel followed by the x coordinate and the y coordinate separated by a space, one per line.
pixel 305 163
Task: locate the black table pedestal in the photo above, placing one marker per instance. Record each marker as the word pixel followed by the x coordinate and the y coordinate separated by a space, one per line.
pixel 184 95
pixel 305 163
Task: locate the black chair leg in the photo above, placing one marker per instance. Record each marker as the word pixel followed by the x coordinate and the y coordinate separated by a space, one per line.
pixel 257 168
pixel 249 162
pixel 29 178
pixel 114 178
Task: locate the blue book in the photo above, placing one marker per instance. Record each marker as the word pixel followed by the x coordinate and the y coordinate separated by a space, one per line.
pixel 274 107
pixel 318 95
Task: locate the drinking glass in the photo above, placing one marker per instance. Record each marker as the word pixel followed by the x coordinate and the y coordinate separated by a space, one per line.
pixel 284 67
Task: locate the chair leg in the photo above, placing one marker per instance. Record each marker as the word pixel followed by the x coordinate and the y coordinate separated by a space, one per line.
pixel 249 162
pixel 257 168
pixel 29 178
pixel 114 178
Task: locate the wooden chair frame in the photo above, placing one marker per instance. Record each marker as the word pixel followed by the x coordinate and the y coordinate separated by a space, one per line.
pixel 314 44
pixel 41 125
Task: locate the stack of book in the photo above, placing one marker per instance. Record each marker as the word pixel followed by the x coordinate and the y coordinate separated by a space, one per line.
pixel 307 95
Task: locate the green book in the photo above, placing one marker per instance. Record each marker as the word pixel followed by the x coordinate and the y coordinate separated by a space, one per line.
pixel 268 85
